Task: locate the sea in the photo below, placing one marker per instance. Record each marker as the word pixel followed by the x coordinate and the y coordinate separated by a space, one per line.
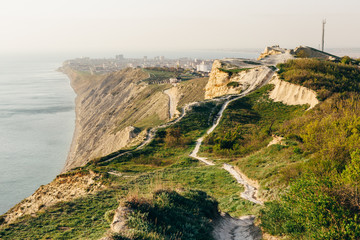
pixel 37 116
pixel 37 121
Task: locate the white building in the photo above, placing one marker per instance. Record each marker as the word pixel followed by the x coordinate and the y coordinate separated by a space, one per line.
pixel 203 67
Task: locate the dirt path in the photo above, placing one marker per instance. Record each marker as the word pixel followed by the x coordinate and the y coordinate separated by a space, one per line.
pixel 236 228
pixel 227 227
pixel 173 101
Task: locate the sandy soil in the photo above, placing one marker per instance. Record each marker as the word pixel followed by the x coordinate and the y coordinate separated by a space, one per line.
pixel 174 98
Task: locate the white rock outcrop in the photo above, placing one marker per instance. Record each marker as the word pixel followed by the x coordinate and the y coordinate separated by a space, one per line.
pixel 292 94
pixel 219 81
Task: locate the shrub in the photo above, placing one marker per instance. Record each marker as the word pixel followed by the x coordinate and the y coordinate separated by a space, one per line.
pixel 171 215
pixel 314 207
pixel 324 77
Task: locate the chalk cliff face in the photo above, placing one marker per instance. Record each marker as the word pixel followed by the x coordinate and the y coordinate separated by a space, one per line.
pixel 292 94
pixel 222 82
pixel 231 76
pixel 112 111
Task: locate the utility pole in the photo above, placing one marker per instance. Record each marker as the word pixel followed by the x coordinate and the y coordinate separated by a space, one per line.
pixel 323 34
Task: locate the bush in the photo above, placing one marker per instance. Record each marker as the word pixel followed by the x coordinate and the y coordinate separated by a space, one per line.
pixel 324 77
pixel 315 207
pixel 171 215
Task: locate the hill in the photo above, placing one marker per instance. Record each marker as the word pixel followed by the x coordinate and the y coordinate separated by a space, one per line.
pixel 241 156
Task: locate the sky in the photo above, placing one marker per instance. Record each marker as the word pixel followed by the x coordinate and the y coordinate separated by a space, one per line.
pixel 50 26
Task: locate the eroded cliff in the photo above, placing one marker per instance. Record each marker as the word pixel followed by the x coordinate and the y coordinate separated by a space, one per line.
pixel 63 188
pixel 115 110
pixel 292 94
pixel 111 111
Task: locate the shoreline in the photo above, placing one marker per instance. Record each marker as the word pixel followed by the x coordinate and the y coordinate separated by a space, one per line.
pixel 75 134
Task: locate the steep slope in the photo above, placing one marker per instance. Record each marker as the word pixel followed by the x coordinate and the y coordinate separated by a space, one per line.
pixel 232 81
pixel 292 94
pixel 111 111
pixel 115 110
pixel 64 188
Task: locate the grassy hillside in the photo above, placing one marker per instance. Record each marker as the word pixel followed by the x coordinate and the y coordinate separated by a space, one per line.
pixel 324 77
pixel 310 182
pixel 164 164
pixel 248 125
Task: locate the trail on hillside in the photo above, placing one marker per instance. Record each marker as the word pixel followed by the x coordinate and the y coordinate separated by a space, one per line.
pixel 227 227
pixel 173 101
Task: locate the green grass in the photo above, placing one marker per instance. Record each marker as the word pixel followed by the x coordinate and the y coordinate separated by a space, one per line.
pixel 247 125
pixel 79 219
pixel 171 215
pixel 273 167
pixel 325 77
pixel 158 75
pixel 233 84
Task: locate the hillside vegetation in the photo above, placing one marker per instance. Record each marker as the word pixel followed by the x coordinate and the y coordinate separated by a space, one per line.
pixel 324 77
pixel 309 180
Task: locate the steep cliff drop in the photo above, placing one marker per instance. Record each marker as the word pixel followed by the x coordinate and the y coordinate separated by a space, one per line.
pixel 111 111
pixel 292 94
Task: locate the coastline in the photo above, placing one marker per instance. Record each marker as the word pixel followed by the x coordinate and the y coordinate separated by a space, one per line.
pixel 75 135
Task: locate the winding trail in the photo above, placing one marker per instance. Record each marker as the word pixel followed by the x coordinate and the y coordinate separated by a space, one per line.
pixel 226 227
pixel 152 132
pixel 250 190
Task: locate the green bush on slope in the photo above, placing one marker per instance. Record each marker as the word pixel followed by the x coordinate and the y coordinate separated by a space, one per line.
pixel 331 132
pixel 171 215
pixel 248 123
pixel 323 201
pixel 324 77
pixel 315 208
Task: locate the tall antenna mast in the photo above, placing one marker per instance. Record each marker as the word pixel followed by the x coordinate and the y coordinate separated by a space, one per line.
pixel 323 34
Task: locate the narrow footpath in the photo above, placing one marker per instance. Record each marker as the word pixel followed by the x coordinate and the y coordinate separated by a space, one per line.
pixel 227 227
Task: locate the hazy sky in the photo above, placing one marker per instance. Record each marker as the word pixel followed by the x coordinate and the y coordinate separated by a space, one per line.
pixel 116 25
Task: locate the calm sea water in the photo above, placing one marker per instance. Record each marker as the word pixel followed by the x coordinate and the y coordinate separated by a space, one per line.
pixel 36 126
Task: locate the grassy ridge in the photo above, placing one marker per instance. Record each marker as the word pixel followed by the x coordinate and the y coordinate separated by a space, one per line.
pixel 324 77
pixel 248 124
pixel 171 215
pixel 322 201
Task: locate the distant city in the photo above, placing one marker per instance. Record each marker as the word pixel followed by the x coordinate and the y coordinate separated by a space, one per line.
pixel 107 65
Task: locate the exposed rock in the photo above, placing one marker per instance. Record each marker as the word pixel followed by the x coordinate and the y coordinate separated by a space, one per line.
pixel 220 82
pixel 174 97
pixel 63 188
pixel 119 222
pixel 274 50
pixel 107 108
pixel 292 94
pixel 276 140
